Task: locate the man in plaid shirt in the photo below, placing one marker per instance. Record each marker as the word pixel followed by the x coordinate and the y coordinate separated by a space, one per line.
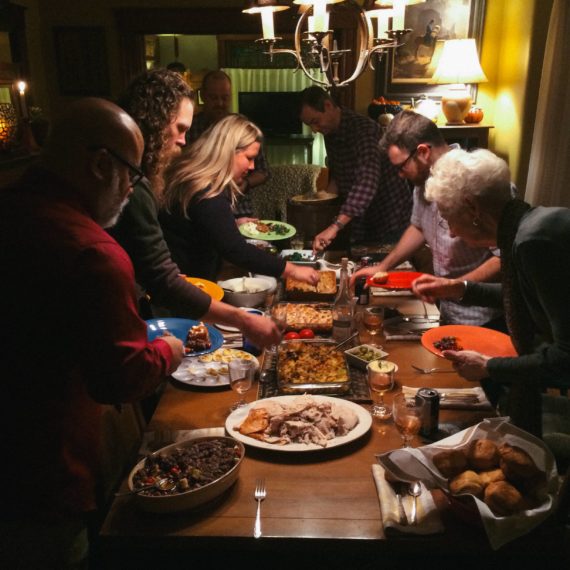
pixel 216 93
pixel 377 202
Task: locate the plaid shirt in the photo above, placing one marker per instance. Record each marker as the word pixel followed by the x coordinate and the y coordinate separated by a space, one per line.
pixel 378 200
pixel 243 207
pixel 452 258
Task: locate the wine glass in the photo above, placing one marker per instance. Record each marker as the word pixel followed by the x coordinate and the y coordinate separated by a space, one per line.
pixel 380 375
pixel 373 321
pixel 408 415
pixel 241 378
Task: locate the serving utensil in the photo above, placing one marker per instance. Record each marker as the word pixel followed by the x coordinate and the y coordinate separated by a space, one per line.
pixel 164 484
pixel 345 340
pixel 431 370
pixel 259 494
pixel 415 490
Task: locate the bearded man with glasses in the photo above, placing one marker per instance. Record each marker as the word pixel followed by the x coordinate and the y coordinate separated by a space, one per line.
pixel 414 144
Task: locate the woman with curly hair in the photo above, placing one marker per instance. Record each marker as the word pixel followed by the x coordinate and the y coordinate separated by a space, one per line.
pixel 197 218
pixel 162 105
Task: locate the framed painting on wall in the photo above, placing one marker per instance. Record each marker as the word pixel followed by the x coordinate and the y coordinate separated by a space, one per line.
pixel 406 72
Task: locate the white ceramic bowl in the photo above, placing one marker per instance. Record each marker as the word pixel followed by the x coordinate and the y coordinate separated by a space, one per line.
pixel 354 356
pixel 195 497
pixel 245 291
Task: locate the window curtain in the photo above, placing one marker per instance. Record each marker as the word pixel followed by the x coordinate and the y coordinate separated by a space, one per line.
pixel 549 170
pixel 277 80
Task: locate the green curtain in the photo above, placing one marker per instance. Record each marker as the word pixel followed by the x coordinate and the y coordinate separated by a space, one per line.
pixel 277 80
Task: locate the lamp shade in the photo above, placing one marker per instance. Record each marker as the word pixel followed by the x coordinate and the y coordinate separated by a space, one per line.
pixel 459 63
pixel 258 6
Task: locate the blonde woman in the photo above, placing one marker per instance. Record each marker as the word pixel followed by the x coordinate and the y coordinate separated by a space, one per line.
pixel 197 218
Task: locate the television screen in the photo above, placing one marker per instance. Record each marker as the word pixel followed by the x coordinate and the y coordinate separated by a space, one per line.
pixel 275 113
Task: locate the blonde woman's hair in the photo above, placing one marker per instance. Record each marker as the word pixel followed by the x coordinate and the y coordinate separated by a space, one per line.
pixel 479 175
pixel 209 163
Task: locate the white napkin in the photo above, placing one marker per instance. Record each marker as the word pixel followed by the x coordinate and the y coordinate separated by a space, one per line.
pixel 477 391
pixel 428 516
pixel 381 292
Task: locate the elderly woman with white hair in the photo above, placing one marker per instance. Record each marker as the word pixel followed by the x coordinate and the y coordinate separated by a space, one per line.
pixel 472 192
pixel 197 218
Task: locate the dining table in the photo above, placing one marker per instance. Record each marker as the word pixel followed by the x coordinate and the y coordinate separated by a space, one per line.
pixel 322 507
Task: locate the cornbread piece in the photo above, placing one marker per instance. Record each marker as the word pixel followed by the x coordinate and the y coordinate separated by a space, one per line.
pixel 483 454
pixel 466 482
pixel 450 462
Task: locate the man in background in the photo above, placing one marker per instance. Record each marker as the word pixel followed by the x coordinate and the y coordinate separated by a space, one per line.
pixel 414 144
pixel 216 93
pixel 162 105
pixel 376 201
pixel 74 340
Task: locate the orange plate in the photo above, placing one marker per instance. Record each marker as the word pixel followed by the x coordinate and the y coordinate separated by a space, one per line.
pixel 480 339
pixel 213 289
pixel 396 280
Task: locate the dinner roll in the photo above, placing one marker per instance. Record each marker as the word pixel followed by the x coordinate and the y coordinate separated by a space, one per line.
pixel 503 499
pixel 450 462
pixel 466 482
pixel 491 476
pixel 516 463
pixel 380 277
pixel 483 454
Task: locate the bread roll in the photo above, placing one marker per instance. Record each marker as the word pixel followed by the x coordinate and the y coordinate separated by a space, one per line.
pixel 450 462
pixel 491 476
pixel 517 464
pixel 483 454
pixel 503 499
pixel 466 482
pixel 380 277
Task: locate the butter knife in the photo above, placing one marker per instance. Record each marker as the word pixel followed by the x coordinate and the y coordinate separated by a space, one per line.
pixel 397 487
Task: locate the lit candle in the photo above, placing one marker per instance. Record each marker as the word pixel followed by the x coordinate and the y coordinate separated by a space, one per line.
pixel 335 45
pixel 383 22
pixel 22 90
pixel 399 14
pixel 267 23
pixel 321 16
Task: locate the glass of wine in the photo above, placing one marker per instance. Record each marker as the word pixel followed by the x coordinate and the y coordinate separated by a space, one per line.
pixel 373 320
pixel 380 375
pixel 408 415
pixel 241 379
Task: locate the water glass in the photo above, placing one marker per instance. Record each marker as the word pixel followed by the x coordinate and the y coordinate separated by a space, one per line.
pixel 241 379
pixel 298 241
pixel 408 416
pixel 380 375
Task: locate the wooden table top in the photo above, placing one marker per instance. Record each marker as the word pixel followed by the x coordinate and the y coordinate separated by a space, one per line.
pixel 324 496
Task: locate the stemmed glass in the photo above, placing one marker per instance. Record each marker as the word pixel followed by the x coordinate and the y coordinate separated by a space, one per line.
pixel 241 378
pixel 373 320
pixel 408 415
pixel 278 315
pixel 380 375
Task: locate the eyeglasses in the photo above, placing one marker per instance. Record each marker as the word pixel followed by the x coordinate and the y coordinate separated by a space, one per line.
pixel 135 173
pixel 400 167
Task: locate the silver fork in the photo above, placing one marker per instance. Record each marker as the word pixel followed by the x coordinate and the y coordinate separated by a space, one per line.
pixel 259 494
pixel 431 370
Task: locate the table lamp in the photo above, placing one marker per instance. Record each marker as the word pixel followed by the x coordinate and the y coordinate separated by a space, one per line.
pixel 458 65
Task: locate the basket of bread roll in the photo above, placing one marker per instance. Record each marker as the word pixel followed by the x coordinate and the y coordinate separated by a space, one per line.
pixel 494 474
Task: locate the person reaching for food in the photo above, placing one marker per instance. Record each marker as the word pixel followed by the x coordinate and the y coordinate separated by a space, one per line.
pixel 196 214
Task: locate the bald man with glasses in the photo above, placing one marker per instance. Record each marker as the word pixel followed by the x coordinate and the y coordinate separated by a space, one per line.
pixel 413 144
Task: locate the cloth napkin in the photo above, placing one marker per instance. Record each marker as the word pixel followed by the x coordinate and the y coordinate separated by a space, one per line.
pixel 428 516
pixel 482 402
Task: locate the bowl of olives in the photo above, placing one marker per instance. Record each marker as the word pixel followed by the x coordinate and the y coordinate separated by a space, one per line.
pixel 361 355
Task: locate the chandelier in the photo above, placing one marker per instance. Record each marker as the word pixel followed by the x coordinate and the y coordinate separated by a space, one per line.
pixel 314 43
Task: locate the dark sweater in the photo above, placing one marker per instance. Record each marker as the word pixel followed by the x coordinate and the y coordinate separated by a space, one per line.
pixel 139 233
pixel 209 234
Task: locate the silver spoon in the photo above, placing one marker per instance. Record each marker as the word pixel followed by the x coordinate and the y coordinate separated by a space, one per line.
pixel 163 484
pixel 415 490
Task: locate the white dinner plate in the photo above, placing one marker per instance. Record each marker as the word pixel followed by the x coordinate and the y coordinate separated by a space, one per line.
pixel 210 370
pixel 236 418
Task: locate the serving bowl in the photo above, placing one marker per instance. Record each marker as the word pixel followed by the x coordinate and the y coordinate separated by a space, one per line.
pixel 181 501
pixel 361 355
pixel 245 291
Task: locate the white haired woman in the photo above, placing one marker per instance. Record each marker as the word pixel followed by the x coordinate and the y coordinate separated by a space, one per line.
pixel 197 217
pixel 472 192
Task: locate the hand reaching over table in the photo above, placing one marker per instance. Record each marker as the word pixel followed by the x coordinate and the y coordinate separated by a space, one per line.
pixel 367 272
pixel 261 331
pixel 468 363
pixel 429 288
pixel 301 273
